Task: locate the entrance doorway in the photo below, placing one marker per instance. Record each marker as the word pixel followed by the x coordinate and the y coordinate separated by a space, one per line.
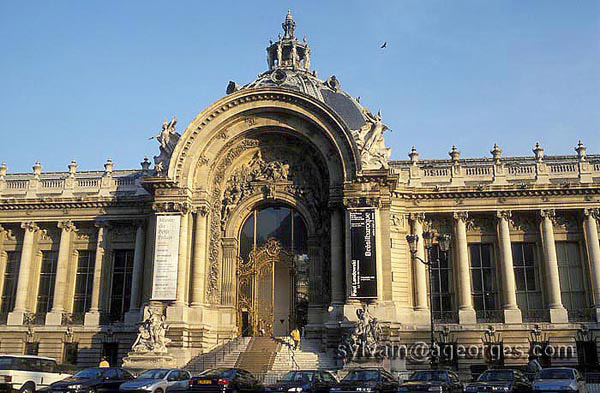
pixel 272 276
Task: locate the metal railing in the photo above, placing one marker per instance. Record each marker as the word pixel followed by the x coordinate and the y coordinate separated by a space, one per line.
pixel 489 316
pixel 580 315
pixel 212 358
pixel 535 315
pixel 445 317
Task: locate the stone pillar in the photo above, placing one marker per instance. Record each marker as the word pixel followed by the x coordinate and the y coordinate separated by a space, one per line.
pixel 183 262
pixel 466 312
pixel 199 263
pixel 315 286
pixel 54 317
pixel 512 314
pixel 3 234
pixel 419 268
pixel 93 316
pixel 558 314
pixel 132 314
pixel 228 289
pixel 593 248
pixel 23 284
pixel 337 257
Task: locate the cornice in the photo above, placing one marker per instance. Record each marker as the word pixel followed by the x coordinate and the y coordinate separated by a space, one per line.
pixel 411 195
pixel 51 204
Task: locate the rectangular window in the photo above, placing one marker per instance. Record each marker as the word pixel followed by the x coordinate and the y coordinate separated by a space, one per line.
pixel 572 278
pixel 84 280
pixel 441 274
pixel 45 296
pixel 529 293
pixel 483 275
pixel 121 284
pixel 32 349
pixel 11 273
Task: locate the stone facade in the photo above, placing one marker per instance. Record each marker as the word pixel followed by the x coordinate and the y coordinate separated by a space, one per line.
pixel 291 139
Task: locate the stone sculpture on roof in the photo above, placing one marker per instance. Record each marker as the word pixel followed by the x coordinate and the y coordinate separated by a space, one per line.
pixel 168 138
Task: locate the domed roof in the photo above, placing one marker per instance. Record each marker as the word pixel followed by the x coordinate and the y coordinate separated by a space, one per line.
pixel 289 68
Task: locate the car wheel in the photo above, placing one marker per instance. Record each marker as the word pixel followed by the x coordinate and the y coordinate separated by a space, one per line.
pixel 27 388
pixel 91 390
pixel 159 390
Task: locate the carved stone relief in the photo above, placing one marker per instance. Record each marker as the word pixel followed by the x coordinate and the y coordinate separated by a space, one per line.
pixel 482 224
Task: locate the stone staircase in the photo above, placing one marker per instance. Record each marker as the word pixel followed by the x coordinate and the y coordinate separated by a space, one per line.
pixel 259 356
pixel 225 355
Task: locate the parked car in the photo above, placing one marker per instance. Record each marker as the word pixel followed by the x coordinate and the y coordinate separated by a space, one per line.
pixel 315 381
pixel 367 380
pixel 500 380
pixel 438 381
pixel 26 374
pixel 225 380
pixel 159 380
pixel 559 379
pixel 93 380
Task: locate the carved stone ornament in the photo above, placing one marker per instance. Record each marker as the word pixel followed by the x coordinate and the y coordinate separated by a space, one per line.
pixel 523 223
pixel 592 212
pixel 441 224
pixel 171 207
pixel 482 224
pixel 365 336
pixel 567 221
pixel 548 213
pixel 152 331
pixel 370 142
pixel 461 216
pixel 504 215
pixel 167 138
pixel 66 225
pixel 30 226
pixel 355 202
pixel 398 221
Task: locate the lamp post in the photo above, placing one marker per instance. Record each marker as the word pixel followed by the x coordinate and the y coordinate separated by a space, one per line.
pixel 444 245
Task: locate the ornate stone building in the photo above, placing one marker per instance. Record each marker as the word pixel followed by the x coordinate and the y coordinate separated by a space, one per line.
pixel 269 186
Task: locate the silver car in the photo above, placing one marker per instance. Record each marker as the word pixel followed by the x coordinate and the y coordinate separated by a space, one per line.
pixel 159 380
pixel 559 379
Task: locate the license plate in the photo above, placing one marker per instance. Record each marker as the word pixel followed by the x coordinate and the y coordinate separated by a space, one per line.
pixel 204 382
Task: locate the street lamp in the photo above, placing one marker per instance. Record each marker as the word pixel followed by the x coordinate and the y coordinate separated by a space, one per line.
pixel 443 241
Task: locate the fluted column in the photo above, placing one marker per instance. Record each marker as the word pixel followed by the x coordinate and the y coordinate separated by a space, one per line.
pixel 337 257
pixel 54 317
pixel 199 264
pixel 93 316
pixel 558 314
pixel 183 263
pixel 23 286
pixel 419 268
pixel 466 312
pixel 138 266
pixel 512 314
pixel 228 289
pixel 593 248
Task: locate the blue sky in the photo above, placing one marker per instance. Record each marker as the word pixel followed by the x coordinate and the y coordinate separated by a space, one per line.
pixel 88 80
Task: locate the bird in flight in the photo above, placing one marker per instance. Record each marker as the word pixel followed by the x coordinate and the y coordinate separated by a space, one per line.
pixel 384 45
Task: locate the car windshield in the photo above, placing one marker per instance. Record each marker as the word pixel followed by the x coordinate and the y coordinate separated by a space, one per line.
pixel 225 373
pixel 153 374
pixel 556 374
pixel 496 375
pixel 298 376
pixel 362 375
pixel 89 373
pixel 426 376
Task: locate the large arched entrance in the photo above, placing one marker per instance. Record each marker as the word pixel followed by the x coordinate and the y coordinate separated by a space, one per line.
pixel 272 272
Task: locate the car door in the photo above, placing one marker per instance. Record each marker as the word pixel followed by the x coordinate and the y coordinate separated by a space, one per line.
pixel 184 381
pixel 109 381
pixel 173 381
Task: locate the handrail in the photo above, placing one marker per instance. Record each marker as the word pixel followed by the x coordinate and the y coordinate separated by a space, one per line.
pixel 292 355
pixel 227 346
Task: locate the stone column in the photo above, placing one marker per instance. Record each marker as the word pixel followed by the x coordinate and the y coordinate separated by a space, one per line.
pixel 23 284
pixel 3 234
pixel 228 283
pixel 337 257
pixel 315 285
pixel 132 314
pixel 54 317
pixel 593 248
pixel 419 268
pixel 512 314
pixel 199 263
pixel 183 262
pixel 93 316
pixel 466 312
pixel 558 314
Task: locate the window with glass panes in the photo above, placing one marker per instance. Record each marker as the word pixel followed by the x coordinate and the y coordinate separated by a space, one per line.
pixel 441 274
pixel 571 275
pixel 483 277
pixel 84 280
pixel 529 293
pixel 121 283
pixel 45 296
pixel 9 291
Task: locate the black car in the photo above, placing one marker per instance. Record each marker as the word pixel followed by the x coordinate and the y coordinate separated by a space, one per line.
pixel 500 381
pixel 93 380
pixel 225 380
pixel 374 379
pixel 304 381
pixel 437 381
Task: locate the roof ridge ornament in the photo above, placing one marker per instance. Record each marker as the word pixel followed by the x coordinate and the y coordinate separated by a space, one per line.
pixel 288 52
pixel 289 26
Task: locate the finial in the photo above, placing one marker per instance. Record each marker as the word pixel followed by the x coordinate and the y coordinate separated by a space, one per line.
pixel 3 170
pixel 454 154
pixel 145 165
pixel 72 168
pixel 539 152
pixel 581 151
pixel 496 153
pixel 37 169
pixel 108 167
pixel 289 25
pixel 413 155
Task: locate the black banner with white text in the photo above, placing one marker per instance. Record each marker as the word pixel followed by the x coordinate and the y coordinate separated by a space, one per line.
pixel 363 283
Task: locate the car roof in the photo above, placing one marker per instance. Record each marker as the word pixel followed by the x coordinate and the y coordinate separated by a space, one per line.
pixel 27 357
pixel 560 368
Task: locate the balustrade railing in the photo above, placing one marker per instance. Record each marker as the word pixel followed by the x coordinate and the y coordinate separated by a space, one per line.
pixel 16 184
pixel 53 183
pixel 521 170
pixel 88 183
pixel 436 172
pixel 125 181
pixel 535 315
pixel 563 168
pixel 72 318
pixel 489 316
pixel 445 317
pixel 580 315
pixel 478 171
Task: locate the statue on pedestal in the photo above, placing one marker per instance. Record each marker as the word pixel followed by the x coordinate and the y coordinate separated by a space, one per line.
pixel 151 333
pixel 168 139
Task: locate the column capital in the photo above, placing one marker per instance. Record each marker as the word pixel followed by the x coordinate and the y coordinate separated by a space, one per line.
pixel 182 208
pixel 593 212
pixel 203 210
pixel 229 242
pixel 504 215
pixel 461 216
pixel 30 226
pixel 548 213
pixel 420 217
pixel 66 225
pixel 104 224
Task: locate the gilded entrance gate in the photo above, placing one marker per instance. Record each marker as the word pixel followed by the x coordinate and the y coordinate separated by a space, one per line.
pixel 256 287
